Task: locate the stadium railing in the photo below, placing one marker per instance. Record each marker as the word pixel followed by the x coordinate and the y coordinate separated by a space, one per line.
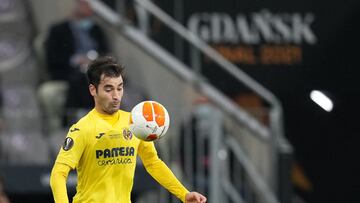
pixel 258 157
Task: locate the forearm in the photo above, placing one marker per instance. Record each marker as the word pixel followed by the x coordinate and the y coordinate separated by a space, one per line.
pixel 162 174
pixel 58 179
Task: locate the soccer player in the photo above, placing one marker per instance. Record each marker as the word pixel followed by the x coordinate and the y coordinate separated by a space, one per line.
pixel 103 151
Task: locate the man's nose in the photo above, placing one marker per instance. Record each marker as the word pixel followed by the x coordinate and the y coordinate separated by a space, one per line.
pixel 116 96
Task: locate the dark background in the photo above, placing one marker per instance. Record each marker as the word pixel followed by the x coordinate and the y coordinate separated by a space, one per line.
pixel 325 143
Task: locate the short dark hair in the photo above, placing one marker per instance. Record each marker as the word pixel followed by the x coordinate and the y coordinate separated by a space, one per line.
pixel 106 65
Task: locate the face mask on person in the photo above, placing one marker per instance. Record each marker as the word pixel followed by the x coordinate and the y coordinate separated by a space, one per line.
pixel 85 23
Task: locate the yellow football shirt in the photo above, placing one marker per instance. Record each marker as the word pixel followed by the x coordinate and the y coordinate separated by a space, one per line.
pixel 104 151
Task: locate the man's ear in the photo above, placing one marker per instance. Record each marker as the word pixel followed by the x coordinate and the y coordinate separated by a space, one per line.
pixel 92 90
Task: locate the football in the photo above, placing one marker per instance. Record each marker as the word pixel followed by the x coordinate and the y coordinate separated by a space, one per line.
pixel 149 120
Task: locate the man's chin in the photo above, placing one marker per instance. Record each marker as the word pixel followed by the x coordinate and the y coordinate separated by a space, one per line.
pixel 114 109
pixel 111 110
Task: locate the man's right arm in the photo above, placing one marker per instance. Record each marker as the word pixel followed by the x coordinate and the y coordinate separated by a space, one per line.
pixel 58 179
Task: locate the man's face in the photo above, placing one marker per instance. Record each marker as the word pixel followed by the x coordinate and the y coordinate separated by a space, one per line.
pixel 108 94
pixel 84 9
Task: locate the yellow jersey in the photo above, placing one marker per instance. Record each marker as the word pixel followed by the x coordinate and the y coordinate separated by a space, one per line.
pixel 103 151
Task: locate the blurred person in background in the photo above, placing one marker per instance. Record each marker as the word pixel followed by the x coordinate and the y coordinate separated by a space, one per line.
pixel 103 150
pixel 70 45
pixel 3 196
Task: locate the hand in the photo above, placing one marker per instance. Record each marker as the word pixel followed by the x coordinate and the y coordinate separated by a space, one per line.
pixel 194 197
pixel 80 59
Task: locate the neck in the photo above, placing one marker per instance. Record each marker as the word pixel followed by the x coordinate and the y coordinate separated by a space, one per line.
pixel 101 111
pixel 111 119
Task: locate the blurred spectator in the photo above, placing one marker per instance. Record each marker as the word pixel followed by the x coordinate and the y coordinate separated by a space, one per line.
pixel 69 47
pixel 3 196
pixel 72 43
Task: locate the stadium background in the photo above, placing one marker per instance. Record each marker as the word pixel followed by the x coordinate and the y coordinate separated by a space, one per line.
pixel 325 143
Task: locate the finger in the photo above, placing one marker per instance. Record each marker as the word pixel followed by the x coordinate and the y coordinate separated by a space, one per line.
pixel 199 198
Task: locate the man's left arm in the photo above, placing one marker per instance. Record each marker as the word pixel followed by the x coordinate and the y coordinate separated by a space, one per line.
pixel 162 174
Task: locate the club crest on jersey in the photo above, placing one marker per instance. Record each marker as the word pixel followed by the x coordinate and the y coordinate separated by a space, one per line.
pixel 127 134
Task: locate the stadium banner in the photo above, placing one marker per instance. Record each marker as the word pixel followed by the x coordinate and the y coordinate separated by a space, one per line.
pixel 266 39
pixel 280 44
pixel 259 36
